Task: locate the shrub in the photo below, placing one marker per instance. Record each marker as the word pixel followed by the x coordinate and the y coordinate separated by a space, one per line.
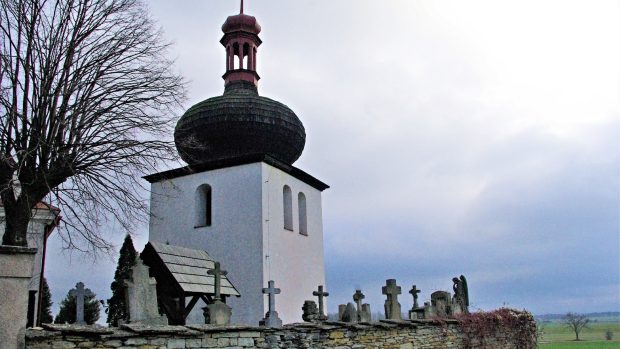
pixel 519 328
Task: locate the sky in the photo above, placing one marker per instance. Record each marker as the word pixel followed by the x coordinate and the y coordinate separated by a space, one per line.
pixel 458 137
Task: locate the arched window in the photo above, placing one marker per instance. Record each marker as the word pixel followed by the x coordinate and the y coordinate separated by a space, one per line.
pixel 287 200
pixel 303 216
pixel 202 206
pixel 237 50
pixel 246 56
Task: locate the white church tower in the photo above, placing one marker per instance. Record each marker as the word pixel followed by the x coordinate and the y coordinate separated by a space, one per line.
pixel 240 199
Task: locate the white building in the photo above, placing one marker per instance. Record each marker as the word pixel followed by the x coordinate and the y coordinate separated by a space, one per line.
pixel 240 198
pixel 45 219
pixel 248 201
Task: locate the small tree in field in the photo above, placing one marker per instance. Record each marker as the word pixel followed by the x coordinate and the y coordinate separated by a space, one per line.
pixel 609 335
pixel 576 322
pixel 46 304
pixel 66 314
pixel 117 307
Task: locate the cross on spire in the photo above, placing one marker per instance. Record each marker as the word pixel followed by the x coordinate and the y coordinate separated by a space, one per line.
pixel 414 292
pixel 218 273
pixel 320 293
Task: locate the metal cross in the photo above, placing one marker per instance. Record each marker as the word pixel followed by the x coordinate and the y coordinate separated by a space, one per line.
pixel 320 293
pixel 414 292
pixel 357 297
pixel 218 273
pixel 272 292
pixel 391 290
pixel 79 293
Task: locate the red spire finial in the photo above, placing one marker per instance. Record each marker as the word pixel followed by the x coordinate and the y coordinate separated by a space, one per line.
pixel 241 7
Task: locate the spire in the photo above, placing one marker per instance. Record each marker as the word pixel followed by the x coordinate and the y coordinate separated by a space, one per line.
pixel 241 12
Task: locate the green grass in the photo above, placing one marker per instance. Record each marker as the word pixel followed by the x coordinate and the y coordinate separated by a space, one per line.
pixel 581 345
pixel 558 336
pixel 557 332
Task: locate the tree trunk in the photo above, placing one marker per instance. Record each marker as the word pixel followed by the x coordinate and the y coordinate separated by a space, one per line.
pixel 17 216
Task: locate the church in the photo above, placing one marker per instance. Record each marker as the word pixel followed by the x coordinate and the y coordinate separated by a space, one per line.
pixel 240 198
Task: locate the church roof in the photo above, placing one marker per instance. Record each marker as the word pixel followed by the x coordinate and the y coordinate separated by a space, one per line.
pixel 238 161
pixel 238 123
pixel 189 268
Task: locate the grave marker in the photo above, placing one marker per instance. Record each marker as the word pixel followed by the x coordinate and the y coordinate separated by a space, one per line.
pixel 321 294
pixel 392 307
pixel 271 317
pixel 79 293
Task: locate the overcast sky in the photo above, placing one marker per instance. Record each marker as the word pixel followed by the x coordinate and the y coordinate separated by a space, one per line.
pixel 458 137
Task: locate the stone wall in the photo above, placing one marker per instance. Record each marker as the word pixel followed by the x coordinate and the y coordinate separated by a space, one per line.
pixel 415 334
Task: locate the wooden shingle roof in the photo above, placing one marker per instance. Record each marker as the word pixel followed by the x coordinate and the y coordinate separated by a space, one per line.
pixel 189 268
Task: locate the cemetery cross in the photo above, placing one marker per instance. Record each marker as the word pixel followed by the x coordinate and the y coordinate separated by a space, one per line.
pixel 272 292
pixel 414 292
pixel 218 273
pixel 79 293
pixel 358 297
pixel 320 293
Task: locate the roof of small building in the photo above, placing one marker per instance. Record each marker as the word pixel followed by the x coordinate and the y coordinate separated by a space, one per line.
pixel 41 206
pixel 189 269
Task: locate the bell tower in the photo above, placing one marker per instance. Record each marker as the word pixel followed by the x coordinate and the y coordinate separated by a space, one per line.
pixel 240 198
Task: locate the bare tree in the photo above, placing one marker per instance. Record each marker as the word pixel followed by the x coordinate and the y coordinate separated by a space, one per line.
pixel 87 101
pixel 576 322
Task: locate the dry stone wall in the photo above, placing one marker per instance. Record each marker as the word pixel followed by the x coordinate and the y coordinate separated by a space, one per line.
pixel 415 334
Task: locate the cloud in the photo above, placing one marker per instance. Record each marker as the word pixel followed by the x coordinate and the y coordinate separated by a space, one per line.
pixel 476 138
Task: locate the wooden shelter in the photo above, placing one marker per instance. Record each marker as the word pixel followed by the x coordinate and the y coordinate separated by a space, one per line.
pixel 182 273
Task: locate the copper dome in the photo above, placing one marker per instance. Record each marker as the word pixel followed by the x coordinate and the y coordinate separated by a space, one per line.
pixel 241 22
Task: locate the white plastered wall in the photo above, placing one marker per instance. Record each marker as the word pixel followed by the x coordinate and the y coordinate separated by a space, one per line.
pixel 233 239
pixel 294 261
pixel 247 235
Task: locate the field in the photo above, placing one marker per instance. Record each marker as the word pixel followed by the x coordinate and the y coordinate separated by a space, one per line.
pixel 581 345
pixel 558 336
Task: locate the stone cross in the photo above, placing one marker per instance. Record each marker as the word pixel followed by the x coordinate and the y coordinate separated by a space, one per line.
pixel 218 273
pixel 79 293
pixel 392 307
pixel 141 296
pixel 320 293
pixel 271 318
pixel 414 292
pixel 358 297
pixel 272 292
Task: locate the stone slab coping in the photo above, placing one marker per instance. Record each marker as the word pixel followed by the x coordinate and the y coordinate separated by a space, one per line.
pixel 228 328
pixel 41 333
pixel 79 329
pixel 129 330
pixel 159 329
pixel 435 321
pixel 7 249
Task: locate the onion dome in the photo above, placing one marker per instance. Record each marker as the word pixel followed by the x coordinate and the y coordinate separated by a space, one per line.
pixel 241 22
pixel 240 122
